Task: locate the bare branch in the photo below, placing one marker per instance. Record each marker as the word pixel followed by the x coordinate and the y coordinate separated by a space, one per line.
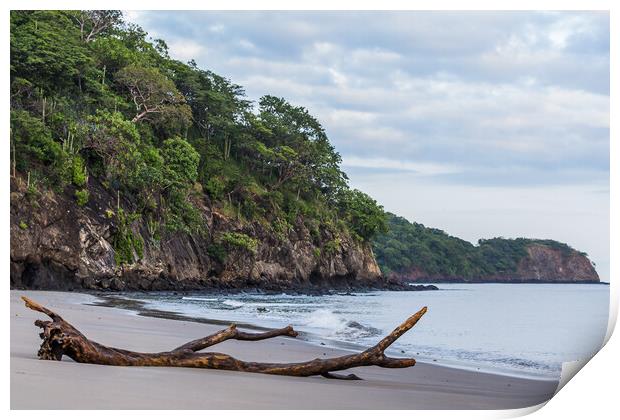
pixel 61 338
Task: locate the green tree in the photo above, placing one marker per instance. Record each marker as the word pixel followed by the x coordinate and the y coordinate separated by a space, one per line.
pixel 155 97
pixel 180 162
pixel 362 213
pixel 46 47
pixel 93 23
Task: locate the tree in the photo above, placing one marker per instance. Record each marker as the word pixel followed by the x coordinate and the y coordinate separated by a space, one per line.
pixel 155 96
pixel 33 143
pixel 282 127
pixel 180 162
pixel 362 213
pixel 96 22
pixel 218 106
pixel 46 48
pixel 113 139
pixel 283 159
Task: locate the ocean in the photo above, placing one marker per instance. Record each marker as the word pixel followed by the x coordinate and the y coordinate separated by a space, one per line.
pixel 525 330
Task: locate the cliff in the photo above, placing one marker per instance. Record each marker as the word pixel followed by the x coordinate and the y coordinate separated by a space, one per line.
pixel 196 186
pixel 57 244
pixel 546 264
pixel 415 253
pixel 543 264
pixel 191 185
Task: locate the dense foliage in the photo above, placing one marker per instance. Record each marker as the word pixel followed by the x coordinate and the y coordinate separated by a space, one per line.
pixel 408 245
pixel 92 98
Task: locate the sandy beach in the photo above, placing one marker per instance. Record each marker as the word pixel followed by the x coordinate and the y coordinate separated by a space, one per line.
pixel 38 384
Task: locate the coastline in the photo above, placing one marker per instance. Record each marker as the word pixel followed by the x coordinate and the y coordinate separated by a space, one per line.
pixel 66 384
pixel 141 308
pixel 316 290
pixel 457 281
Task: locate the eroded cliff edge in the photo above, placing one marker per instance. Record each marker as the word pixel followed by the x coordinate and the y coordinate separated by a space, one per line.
pixel 56 244
pixel 412 252
pixel 543 264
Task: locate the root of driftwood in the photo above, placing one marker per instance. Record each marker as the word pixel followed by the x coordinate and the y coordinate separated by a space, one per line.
pixel 61 338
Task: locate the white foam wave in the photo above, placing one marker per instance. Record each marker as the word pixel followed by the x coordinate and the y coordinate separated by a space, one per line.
pixel 326 320
pixel 199 299
pixel 233 303
pixel 337 326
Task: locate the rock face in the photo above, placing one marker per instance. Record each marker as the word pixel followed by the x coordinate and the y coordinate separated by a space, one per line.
pixel 56 244
pixel 543 264
pixel 550 265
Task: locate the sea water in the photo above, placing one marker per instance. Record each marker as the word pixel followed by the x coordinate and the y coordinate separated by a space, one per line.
pixel 517 329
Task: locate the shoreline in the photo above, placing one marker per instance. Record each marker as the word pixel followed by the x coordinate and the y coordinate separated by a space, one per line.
pixel 312 291
pixel 431 282
pixel 70 385
pixel 139 307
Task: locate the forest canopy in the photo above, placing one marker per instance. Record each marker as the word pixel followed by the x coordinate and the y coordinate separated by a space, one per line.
pixel 408 245
pixel 94 98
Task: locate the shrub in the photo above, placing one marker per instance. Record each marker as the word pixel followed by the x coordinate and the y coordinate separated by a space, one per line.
pixel 81 197
pixel 124 241
pixel 332 247
pixel 281 228
pixel 32 139
pixel 218 252
pixel 317 253
pixel 180 162
pixel 32 193
pixel 78 172
pixel 250 209
pixel 240 241
pixel 215 188
pixel 182 216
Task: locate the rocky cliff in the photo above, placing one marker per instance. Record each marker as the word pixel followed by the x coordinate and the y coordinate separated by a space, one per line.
pixel 412 252
pixel 542 264
pixel 56 244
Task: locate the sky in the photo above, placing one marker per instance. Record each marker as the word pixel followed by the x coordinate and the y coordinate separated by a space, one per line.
pixel 483 124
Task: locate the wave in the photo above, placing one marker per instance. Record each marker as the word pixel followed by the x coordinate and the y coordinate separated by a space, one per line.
pixel 233 303
pixel 339 327
pixel 490 361
pixel 199 299
pixel 357 330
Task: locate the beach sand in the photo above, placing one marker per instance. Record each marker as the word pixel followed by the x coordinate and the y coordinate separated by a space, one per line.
pixel 42 384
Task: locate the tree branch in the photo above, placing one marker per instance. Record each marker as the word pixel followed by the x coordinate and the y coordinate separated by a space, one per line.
pixel 233 333
pixel 61 338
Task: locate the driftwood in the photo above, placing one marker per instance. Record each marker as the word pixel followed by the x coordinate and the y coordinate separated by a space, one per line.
pixel 61 338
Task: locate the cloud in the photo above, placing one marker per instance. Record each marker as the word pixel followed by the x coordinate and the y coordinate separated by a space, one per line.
pixel 386 165
pixel 186 50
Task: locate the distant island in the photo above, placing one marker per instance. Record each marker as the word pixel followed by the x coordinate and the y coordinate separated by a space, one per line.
pixel 131 170
pixel 416 253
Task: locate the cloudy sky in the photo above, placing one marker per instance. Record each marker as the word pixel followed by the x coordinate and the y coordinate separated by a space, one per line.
pixel 480 124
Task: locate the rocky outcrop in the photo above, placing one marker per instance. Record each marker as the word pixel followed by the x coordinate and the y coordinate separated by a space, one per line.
pixel 550 265
pixel 56 244
pixel 542 264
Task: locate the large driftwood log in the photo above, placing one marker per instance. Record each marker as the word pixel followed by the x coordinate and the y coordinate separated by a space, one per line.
pixel 61 338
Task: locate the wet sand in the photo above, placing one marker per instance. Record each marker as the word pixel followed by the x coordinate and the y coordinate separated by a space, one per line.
pixel 41 384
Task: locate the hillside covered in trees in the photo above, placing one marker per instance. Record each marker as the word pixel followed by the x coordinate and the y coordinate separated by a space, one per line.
pixel 91 96
pixel 160 148
pixel 412 251
pixel 130 169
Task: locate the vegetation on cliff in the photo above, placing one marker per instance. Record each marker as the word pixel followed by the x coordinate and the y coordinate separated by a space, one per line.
pixel 93 98
pixel 410 246
pixel 155 148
